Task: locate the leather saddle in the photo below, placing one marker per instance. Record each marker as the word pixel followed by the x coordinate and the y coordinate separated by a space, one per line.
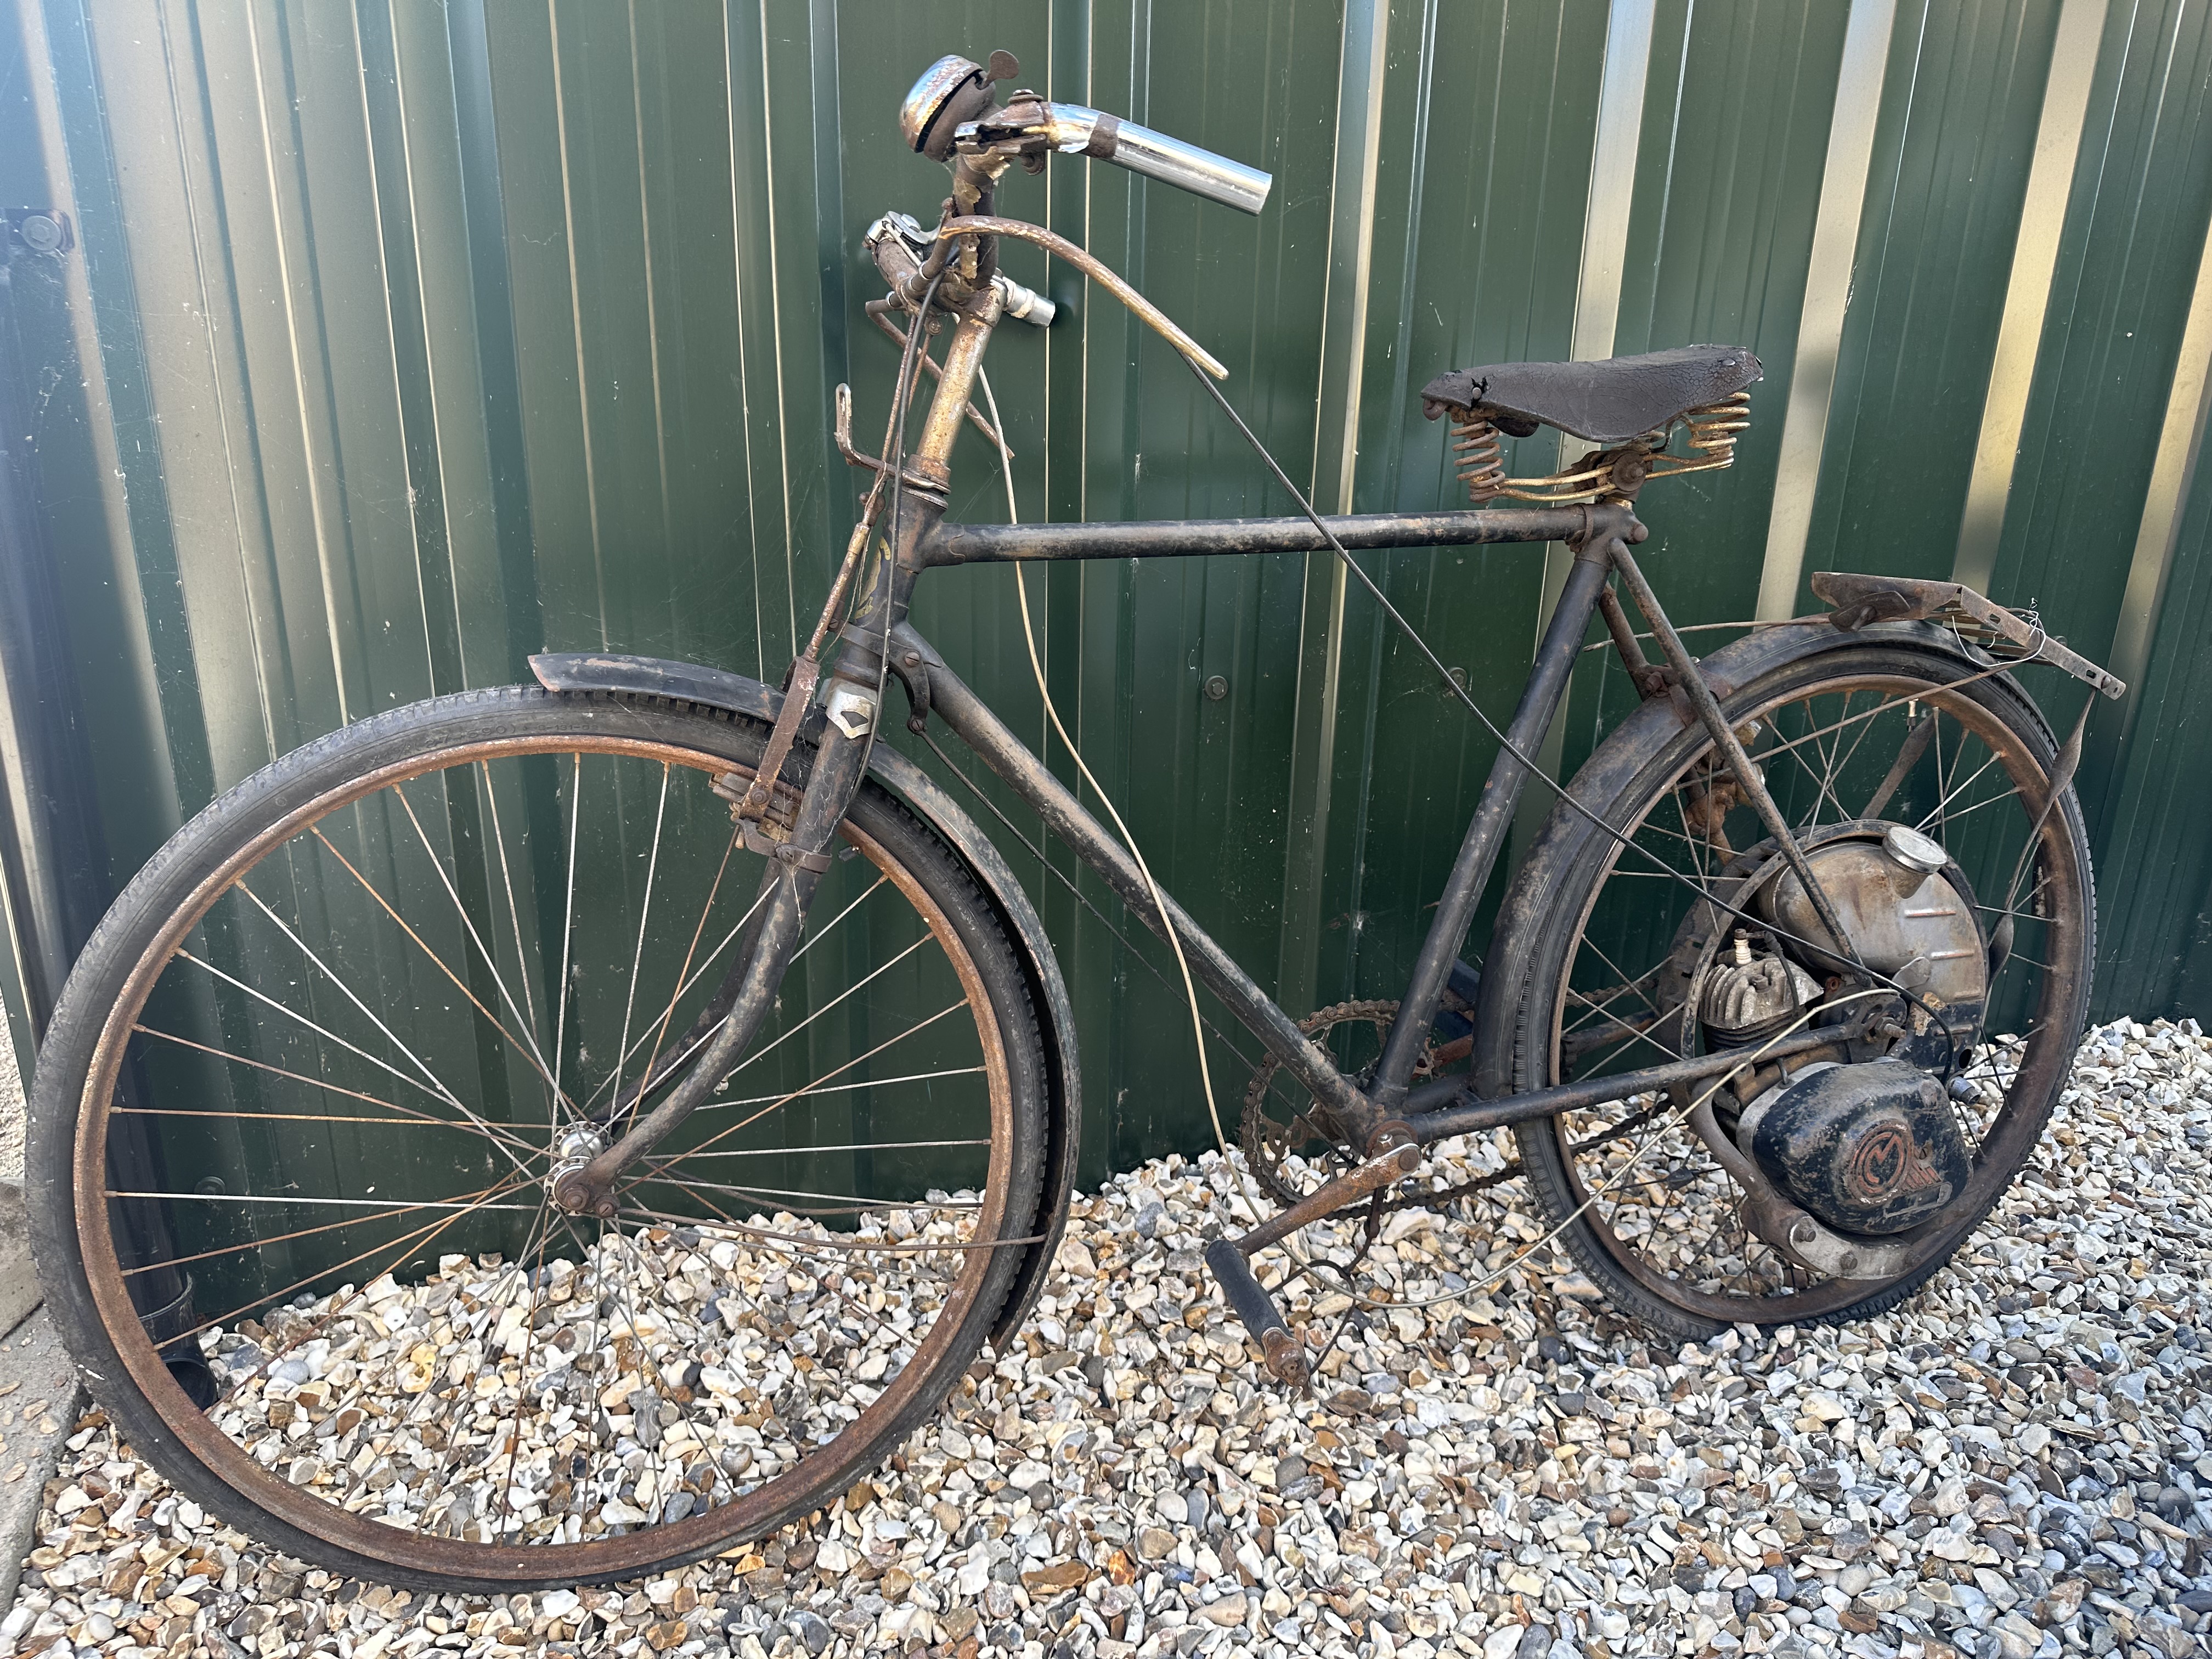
pixel 1604 402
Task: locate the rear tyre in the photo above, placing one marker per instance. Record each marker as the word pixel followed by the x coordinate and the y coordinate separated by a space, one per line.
pixel 302 1096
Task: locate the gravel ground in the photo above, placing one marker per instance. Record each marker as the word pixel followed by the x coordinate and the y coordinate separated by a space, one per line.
pixel 2014 1466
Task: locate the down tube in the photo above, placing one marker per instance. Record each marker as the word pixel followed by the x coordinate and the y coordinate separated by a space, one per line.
pixel 1006 756
pixel 1493 817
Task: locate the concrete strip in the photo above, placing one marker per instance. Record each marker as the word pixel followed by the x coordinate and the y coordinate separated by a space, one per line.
pixel 19 1280
pixel 39 1398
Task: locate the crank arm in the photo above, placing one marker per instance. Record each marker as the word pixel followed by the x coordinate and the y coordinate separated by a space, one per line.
pixel 1229 1258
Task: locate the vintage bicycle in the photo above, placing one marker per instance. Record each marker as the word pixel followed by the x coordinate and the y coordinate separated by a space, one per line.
pixel 543 1135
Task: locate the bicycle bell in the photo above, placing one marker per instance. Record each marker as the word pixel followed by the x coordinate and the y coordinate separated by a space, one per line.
pixel 952 90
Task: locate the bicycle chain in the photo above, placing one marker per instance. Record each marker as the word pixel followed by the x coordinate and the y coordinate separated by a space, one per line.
pixel 1255 1122
pixel 1255 1119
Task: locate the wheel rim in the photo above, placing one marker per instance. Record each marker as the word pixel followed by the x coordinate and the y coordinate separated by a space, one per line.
pixel 504 1479
pixel 1649 1193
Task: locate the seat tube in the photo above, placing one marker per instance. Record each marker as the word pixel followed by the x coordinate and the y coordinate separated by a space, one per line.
pixel 1539 704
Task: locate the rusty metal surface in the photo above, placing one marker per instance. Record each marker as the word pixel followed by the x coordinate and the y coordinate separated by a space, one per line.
pixel 2003 633
pixel 980 543
pixel 370 530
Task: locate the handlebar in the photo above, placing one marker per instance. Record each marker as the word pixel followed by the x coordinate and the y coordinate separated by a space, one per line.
pixel 899 244
pixel 1075 128
pixel 950 109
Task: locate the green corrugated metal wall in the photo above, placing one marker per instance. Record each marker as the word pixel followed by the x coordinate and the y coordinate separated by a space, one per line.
pixel 403 339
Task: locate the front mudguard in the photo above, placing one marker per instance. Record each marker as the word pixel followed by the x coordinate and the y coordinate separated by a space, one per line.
pixel 1531 900
pixel 715 688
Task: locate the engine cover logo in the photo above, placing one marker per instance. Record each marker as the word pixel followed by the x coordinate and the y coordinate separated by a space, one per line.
pixel 1889 1161
pixel 1872 1148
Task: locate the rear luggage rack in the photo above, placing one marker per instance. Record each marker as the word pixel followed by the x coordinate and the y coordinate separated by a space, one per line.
pixel 2007 634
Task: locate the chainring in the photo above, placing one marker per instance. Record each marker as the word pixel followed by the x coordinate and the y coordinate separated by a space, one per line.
pixel 1269 1142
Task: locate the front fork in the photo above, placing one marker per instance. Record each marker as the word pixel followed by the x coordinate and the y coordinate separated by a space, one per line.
pixel 583 1177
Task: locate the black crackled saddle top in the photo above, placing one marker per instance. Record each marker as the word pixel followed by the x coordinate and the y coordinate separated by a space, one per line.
pixel 1606 402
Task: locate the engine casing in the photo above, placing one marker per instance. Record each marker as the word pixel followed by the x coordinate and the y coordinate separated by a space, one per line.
pixel 1873 1148
pixel 1914 921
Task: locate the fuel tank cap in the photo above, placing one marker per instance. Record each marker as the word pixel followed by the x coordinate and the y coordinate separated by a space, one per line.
pixel 1914 850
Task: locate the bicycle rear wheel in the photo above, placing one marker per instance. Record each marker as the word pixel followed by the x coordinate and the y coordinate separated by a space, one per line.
pixel 1880 732
pixel 295 1113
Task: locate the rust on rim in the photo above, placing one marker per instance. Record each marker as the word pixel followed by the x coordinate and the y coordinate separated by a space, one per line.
pixel 749 1517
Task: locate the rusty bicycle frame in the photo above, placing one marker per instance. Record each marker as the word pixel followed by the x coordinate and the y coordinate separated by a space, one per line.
pixel 951 276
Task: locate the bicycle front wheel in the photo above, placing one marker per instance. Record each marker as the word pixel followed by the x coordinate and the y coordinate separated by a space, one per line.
pixel 295 1114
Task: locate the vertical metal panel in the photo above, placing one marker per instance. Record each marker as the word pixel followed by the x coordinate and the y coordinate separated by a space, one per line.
pixel 2028 288
pixel 1361 82
pixel 1477 253
pixel 2152 803
pixel 423 338
pixel 1857 100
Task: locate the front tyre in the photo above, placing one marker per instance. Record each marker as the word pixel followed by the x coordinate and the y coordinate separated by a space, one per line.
pixel 295 1114
pixel 1878 731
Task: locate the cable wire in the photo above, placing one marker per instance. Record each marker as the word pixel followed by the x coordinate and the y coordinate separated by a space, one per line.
pixel 1565 794
pixel 1052 714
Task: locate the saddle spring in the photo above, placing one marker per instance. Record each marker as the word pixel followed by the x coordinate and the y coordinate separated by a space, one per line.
pixel 1479 455
pixel 1713 429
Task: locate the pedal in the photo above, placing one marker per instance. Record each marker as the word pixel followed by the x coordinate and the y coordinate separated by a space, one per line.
pixel 1227 1259
pixel 1286 1354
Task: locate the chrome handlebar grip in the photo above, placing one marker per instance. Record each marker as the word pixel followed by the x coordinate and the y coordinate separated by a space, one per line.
pixel 1187 167
pixel 1076 128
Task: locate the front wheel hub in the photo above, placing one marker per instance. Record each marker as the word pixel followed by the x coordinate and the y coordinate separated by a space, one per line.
pixel 568 1181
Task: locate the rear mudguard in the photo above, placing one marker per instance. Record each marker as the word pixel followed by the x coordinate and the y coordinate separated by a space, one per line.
pixel 1530 903
pixel 714 688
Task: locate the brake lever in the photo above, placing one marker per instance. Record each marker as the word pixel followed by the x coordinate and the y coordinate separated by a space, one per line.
pixel 1095 269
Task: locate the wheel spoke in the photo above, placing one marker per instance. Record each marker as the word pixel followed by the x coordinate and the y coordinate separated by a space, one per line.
pixel 1908 757
pixel 684 975
pixel 459 984
pixel 506 882
pixel 644 922
pixel 455 1214
pixel 529 1041
pixel 1950 795
pixel 699 1039
pixel 847 1245
pixel 1681 1222
pixel 567 930
pixel 409 1115
pixel 800 1093
pixel 434 1088
pixel 851 991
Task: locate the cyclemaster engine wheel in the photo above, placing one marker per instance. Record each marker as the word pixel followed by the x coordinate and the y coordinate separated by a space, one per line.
pixel 306 1081
pixel 1876 733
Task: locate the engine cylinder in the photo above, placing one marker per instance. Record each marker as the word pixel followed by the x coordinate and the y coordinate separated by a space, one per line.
pixel 1749 998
